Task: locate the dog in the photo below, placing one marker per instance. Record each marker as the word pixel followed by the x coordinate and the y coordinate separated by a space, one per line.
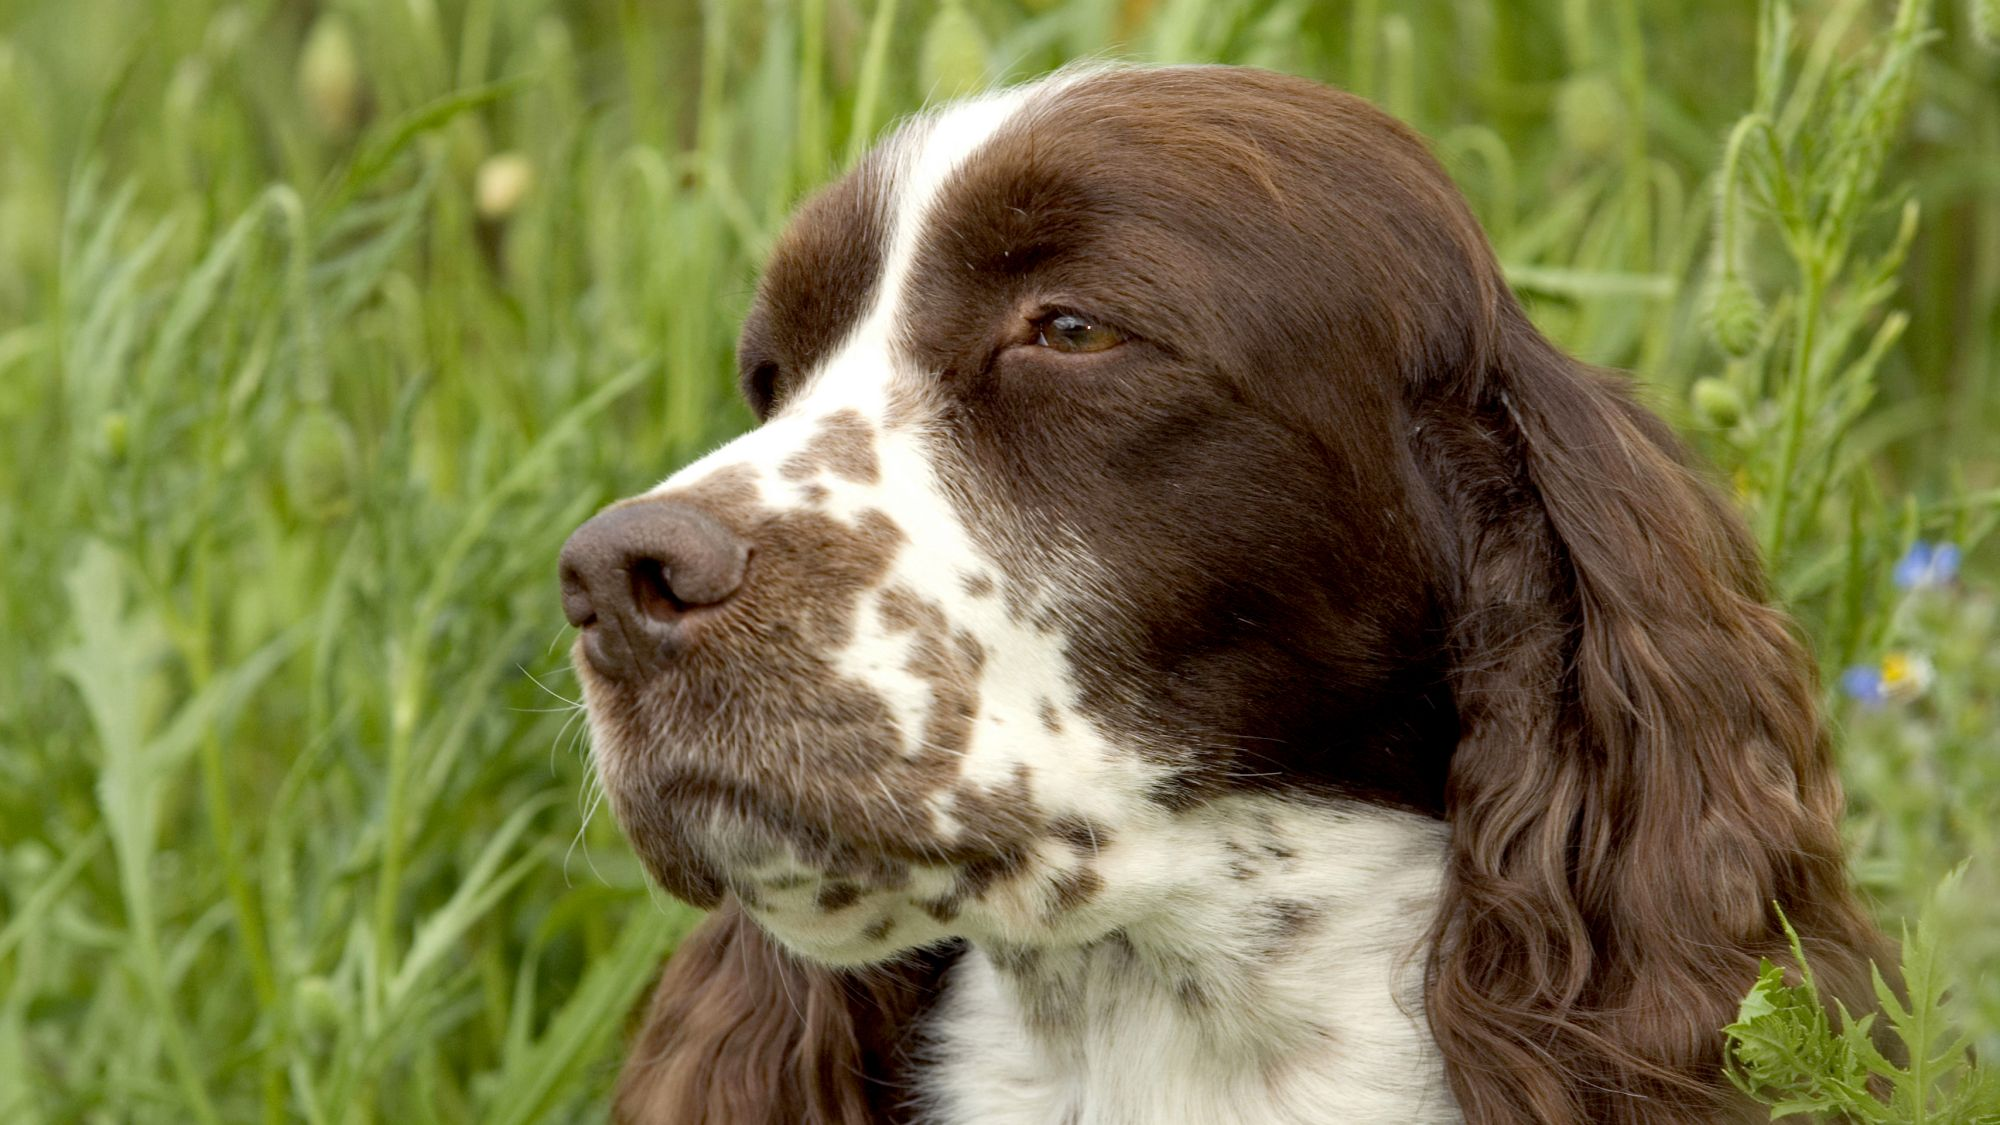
pixel 1182 647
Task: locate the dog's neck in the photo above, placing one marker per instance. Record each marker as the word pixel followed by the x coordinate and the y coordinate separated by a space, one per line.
pixel 1279 980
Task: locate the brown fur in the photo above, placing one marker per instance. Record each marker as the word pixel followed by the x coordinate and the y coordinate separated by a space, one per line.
pixel 1641 774
pixel 740 1033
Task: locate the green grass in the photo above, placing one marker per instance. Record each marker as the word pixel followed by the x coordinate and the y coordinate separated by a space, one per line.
pixel 294 817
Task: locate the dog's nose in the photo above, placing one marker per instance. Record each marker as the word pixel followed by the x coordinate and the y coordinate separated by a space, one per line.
pixel 632 574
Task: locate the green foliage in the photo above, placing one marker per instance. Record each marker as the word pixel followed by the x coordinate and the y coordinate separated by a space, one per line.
pixel 1922 772
pixel 1786 1052
pixel 1800 215
pixel 322 322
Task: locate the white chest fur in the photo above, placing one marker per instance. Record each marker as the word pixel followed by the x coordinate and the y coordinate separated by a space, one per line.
pixel 1278 981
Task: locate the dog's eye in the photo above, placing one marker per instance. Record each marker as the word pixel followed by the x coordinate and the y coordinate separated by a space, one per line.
pixel 1069 332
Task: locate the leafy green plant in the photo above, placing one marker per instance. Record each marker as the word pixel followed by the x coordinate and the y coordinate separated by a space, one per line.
pixel 1798 202
pixel 1787 1052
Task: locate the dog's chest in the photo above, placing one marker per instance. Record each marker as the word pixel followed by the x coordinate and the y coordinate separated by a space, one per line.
pixel 1291 997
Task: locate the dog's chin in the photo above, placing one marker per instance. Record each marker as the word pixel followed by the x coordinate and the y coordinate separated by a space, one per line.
pixel 834 946
pixel 822 918
pixel 834 902
pixel 680 865
pixel 682 844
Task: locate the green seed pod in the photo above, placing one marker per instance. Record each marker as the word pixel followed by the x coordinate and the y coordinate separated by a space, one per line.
pixel 1734 316
pixel 1717 402
pixel 953 62
pixel 330 76
pixel 1590 115
pixel 318 1006
pixel 321 466
pixel 115 429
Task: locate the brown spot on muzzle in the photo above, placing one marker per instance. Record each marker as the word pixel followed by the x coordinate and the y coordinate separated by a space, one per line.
pixel 950 660
pixel 1291 919
pixel 844 446
pixel 837 894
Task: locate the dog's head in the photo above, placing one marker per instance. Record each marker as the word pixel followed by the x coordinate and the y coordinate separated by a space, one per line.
pixel 1084 493
pixel 1140 438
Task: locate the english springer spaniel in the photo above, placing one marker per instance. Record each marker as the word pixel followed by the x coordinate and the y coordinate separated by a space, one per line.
pixel 1183 648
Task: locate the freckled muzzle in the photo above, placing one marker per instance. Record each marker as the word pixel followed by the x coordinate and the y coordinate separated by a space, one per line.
pixel 732 729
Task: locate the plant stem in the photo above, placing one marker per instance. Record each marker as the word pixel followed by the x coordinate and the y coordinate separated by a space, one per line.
pixel 1812 299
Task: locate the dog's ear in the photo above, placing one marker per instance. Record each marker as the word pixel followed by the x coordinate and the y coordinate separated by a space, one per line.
pixel 740 1033
pixel 1640 772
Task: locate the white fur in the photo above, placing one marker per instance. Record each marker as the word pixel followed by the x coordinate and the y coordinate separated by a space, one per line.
pixel 1328 1028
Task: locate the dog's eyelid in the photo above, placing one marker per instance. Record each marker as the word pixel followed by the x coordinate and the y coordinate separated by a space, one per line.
pixel 1073 331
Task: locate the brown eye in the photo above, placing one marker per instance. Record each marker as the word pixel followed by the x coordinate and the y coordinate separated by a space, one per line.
pixel 1068 332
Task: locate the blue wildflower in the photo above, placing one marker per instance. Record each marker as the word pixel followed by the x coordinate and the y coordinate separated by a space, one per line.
pixel 1927 566
pixel 1863 683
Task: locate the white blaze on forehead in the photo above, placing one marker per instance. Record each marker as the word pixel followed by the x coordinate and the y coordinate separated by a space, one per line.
pixel 1025 671
pixel 914 167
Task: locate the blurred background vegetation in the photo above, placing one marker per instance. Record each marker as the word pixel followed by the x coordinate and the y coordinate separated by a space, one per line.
pixel 323 323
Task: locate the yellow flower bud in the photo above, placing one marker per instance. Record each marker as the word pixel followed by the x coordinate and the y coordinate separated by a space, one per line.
pixel 502 182
pixel 1905 676
pixel 330 76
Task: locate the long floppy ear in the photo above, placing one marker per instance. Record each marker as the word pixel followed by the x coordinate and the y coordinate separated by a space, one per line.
pixel 1640 772
pixel 740 1033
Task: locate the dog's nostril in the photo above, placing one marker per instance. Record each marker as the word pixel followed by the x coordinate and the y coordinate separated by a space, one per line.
pixel 653 591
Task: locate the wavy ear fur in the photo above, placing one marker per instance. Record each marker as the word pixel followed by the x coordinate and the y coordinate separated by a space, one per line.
pixel 740 1033
pixel 1640 771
